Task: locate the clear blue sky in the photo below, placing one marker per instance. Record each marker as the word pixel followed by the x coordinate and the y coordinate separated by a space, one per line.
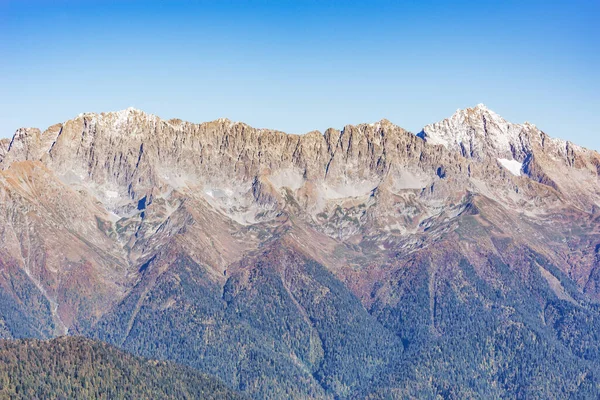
pixel 303 65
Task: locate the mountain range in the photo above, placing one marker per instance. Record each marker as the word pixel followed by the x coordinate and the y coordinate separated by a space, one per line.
pixel 367 262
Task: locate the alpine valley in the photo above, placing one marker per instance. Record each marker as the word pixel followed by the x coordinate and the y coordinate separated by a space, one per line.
pixel 371 262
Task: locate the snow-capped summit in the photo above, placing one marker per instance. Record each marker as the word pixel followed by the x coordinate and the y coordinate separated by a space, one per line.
pixel 479 133
pixel 480 106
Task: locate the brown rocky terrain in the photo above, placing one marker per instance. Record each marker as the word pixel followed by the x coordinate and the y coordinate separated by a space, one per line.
pixel 105 212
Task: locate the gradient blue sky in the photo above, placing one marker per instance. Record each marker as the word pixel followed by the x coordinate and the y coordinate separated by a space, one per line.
pixel 303 65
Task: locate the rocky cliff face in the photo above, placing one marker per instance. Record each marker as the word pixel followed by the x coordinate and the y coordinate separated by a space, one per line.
pixel 4 144
pixel 111 221
pixel 480 134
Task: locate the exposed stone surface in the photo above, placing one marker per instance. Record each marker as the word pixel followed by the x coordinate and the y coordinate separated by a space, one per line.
pixel 4 144
pixel 483 135
pixel 128 183
pixel 89 206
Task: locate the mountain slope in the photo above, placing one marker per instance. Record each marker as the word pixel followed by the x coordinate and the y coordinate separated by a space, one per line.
pixel 276 328
pixel 459 262
pixel 74 367
pixel 481 134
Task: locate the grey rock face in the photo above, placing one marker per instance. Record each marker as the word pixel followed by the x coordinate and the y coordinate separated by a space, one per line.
pixel 4 144
pixel 480 134
pixel 110 191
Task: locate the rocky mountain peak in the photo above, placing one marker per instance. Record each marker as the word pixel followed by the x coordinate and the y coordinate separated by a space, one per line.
pixel 129 152
pixel 479 133
pixel 119 113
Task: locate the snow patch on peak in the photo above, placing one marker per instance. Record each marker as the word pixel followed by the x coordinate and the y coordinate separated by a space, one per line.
pixel 85 114
pixel 478 133
pixel 381 124
pixel 128 110
pixel 229 123
pixel 513 166
pixel 120 117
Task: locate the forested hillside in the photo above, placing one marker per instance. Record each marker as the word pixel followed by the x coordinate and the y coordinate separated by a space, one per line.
pixel 79 368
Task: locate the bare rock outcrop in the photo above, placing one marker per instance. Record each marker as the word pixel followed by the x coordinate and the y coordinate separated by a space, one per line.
pixel 108 194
